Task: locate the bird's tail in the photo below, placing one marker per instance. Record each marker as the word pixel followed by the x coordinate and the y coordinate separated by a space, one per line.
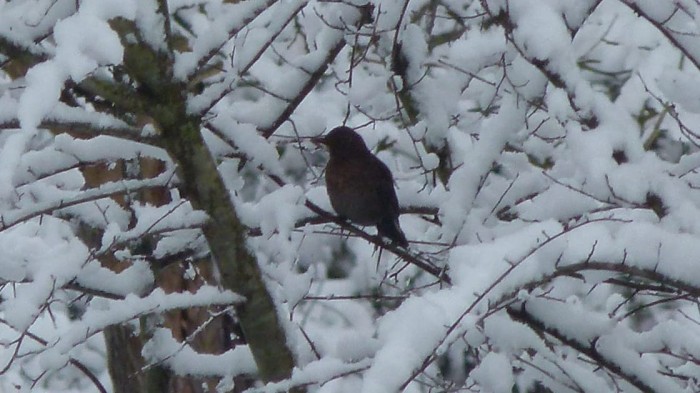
pixel 389 228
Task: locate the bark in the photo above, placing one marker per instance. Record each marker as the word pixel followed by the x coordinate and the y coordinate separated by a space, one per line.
pixel 204 187
pixel 124 361
pixel 163 99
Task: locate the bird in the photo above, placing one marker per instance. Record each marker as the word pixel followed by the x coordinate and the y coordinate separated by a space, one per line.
pixel 359 185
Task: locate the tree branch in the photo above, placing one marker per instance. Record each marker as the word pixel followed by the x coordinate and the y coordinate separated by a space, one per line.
pixel 588 349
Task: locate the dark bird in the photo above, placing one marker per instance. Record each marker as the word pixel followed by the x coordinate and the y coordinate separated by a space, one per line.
pixel 360 186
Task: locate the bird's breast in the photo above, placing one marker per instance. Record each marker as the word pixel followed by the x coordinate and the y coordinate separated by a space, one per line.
pixel 352 187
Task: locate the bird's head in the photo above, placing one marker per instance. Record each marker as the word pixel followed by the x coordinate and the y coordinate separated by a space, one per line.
pixel 343 141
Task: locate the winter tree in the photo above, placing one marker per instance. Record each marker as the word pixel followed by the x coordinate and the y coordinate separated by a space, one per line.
pixel 164 225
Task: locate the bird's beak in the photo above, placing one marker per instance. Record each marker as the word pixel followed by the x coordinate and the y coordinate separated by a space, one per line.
pixel 319 140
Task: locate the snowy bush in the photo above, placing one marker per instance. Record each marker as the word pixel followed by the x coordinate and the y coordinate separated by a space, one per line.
pixel 164 224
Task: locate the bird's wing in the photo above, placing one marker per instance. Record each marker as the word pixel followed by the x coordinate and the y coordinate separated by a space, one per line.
pixel 385 187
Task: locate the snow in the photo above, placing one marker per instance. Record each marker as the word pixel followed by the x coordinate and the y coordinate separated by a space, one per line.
pixel 105 148
pixel 393 362
pixel 152 24
pixel 540 29
pixel 11 152
pixel 44 82
pixel 108 9
pixel 277 211
pixel 511 336
pixel 465 179
pixel 44 256
pixel 83 42
pixel 228 19
pixel 153 219
pixel 579 326
pixel 246 140
pixel 16 217
pixel 137 278
pixel 79 55
pixel 321 370
pixel 549 164
pixel 494 373
pixel 185 361
pixel 94 319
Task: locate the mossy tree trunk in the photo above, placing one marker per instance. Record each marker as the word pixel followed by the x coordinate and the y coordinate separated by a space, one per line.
pixel 146 92
pixel 163 99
